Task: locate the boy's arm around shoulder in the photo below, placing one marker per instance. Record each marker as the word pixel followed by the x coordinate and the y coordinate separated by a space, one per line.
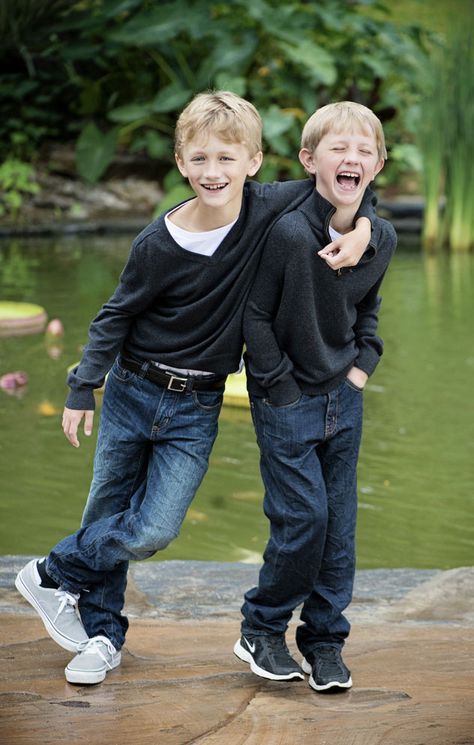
pixel 348 249
pixel 271 368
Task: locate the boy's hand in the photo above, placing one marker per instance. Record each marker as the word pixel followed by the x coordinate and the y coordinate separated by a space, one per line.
pixel 348 249
pixel 71 420
pixel 358 377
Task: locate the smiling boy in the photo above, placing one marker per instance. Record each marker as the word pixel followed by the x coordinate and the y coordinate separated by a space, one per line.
pixel 311 345
pixel 170 334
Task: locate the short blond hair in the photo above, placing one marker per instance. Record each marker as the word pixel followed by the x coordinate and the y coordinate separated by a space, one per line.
pixel 223 114
pixel 342 116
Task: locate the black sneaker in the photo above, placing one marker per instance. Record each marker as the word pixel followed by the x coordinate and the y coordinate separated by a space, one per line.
pixel 326 669
pixel 268 656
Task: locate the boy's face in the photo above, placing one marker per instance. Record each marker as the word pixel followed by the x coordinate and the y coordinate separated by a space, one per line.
pixel 344 164
pixel 216 170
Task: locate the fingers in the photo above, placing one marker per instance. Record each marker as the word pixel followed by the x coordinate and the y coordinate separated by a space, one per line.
pixel 336 257
pixel 71 422
pixel 328 250
pixel 88 423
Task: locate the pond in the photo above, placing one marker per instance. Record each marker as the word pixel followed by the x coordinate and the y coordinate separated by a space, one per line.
pixel 416 468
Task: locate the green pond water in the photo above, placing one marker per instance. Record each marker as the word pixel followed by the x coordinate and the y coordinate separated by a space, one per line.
pixel 416 468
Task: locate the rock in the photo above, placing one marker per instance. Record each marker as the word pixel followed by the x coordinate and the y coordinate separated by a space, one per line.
pixel 448 596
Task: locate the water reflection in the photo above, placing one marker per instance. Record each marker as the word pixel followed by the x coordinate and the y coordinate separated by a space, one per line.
pixel 416 465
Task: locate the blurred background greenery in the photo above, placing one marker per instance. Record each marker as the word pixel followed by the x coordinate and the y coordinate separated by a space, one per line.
pixel 88 86
pixel 110 76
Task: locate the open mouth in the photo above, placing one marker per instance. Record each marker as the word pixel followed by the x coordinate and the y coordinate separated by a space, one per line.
pixel 348 180
pixel 213 187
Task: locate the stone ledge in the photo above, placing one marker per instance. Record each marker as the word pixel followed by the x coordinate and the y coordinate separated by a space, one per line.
pixel 205 590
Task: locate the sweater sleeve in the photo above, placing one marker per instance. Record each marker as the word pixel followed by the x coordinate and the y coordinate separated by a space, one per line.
pixel 370 345
pixel 270 367
pixel 136 289
pixel 367 207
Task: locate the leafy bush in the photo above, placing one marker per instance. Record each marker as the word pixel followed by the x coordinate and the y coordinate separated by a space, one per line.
pixel 105 71
pixel 16 180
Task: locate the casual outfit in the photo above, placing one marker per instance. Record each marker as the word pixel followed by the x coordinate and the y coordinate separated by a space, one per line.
pixel 170 334
pixel 305 327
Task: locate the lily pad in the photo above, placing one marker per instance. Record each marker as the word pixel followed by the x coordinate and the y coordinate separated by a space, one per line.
pixel 21 318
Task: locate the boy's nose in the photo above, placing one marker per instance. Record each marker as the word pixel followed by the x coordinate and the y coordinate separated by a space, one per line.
pixel 352 156
pixel 212 170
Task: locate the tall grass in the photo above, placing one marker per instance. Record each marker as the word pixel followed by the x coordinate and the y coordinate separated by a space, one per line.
pixel 446 141
pixel 460 151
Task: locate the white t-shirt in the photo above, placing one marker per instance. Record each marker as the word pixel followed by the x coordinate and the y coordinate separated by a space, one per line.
pixel 205 242
pixel 333 234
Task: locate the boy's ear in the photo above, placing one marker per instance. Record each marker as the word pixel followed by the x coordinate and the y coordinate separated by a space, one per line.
pixel 379 167
pixel 255 163
pixel 181 166
pixel 306 158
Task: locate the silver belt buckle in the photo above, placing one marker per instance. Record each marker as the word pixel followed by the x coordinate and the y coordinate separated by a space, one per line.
pixel 181 383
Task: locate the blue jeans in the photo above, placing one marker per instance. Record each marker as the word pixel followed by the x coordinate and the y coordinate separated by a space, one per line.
pixel 309 452
pixel 152 454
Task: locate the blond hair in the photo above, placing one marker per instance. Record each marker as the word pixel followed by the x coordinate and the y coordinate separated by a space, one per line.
pixel 342 116
pixel 223 114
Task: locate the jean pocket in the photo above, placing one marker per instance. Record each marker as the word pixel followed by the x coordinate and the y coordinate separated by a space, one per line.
pixel 121 373
pixel 281 407
pixel 208 400
pixel 353 386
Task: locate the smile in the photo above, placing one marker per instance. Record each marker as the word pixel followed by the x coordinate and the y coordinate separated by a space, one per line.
pixel 214 187
pixel 348 179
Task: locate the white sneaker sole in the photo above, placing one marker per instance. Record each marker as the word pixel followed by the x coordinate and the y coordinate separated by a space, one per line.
pixel 333 684
pixel 245 656
pixel 91 677
pixel 64 641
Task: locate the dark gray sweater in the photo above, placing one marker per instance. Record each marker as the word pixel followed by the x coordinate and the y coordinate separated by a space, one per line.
pixel 181 308
pixel 305 326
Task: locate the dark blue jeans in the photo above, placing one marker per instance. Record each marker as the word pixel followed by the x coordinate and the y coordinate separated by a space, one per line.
pixel 309 453
pixel 152 454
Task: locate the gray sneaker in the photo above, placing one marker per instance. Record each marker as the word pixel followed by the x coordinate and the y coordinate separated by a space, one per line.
pixel 57 608
pixel 96 658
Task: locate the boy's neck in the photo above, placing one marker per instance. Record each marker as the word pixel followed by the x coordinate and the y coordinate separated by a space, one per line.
pixel 198 218
pixel 343 219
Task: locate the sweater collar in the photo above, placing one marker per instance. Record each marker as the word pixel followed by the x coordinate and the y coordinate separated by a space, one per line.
pixel 317 210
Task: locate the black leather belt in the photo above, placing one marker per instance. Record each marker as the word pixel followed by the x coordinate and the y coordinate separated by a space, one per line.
pixel 172 381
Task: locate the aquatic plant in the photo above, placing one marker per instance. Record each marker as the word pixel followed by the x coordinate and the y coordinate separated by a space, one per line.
pixel 460 146
pixel 445 136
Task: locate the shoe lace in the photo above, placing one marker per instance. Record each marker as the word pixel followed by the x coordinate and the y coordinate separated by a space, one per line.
pixel 95 646
pixel 331 659
pixel 67 602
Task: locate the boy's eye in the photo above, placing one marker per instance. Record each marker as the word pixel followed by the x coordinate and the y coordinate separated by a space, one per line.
pixel 197 159
pixel 226 157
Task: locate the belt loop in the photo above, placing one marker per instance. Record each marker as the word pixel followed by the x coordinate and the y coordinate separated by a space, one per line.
pixel 144 369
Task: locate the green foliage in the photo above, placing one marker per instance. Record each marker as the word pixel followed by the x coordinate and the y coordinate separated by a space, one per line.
pixel 445 132
pixel 16 179
pixel 94 152
pixel 73 69
pixel 17 272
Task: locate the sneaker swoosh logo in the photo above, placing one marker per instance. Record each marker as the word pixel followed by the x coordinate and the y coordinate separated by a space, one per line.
pixel 250 646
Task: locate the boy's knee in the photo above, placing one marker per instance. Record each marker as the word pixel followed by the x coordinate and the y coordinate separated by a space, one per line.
pixel 147 540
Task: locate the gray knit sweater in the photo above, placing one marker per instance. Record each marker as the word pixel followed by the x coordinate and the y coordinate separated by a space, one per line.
pixel 305 326
pixel 181 308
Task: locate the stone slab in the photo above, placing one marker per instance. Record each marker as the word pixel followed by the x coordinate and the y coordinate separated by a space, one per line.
pixel 411 656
